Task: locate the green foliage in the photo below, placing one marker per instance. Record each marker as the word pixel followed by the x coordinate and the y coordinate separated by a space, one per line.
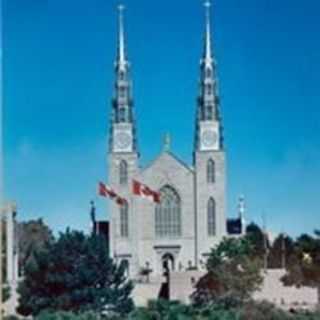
pixel 160 310
pixel 74 273
pixel 256 237
pixel 233 274
pixel 143 314
pixel 169 309
pixel 5 292
pixel 33 236
pixel 304 267
pixel 64 315
pixel 281 251
pixel 262 311
pixel 12 317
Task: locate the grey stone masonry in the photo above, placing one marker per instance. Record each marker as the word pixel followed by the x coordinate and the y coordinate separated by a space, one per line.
pixel 205 191
pixel 173 233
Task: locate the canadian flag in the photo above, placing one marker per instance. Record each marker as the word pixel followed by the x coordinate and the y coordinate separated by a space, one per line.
pixel 108 192
pixel 144 191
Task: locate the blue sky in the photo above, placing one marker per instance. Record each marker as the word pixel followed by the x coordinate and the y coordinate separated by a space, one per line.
pixel 58 83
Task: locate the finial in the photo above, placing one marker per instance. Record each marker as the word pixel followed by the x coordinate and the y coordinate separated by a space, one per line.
pixel 167 142
pixel 121 48
pixel 121 7
pixel 207 4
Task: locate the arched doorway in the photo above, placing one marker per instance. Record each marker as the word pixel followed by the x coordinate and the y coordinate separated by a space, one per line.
pixel 168 262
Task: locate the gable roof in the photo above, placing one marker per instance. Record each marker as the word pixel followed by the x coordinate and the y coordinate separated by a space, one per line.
pixel 171 155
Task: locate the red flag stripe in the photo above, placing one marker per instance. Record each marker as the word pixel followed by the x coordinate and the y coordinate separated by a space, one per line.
pixel 142 190
pixel 108 192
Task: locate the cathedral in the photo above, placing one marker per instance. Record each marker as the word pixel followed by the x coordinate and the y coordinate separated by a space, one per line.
pixel 179 231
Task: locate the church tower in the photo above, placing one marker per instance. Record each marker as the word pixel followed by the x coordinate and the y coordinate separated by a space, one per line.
pixel 209 155
pixel 123 153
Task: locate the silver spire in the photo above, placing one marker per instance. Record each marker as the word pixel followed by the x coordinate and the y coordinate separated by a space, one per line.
pixel 121 46
pixel 207 51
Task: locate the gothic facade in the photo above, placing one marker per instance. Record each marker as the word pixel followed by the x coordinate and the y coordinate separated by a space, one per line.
pixel 191 217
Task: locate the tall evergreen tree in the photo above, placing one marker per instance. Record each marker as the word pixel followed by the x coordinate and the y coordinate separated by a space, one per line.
pixel 74 273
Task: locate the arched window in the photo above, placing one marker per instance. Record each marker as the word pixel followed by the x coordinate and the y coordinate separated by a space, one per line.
pixel 122 92
pixel 122 114
pixel 211 217
pixel 123 172
pixel 168 214
pixel 209 89
pixel 208 73
pixel 121 75
pixel 124 221
pixel 210 112
pixel 211 171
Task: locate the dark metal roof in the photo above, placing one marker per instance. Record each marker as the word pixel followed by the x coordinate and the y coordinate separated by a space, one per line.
pixel 234 226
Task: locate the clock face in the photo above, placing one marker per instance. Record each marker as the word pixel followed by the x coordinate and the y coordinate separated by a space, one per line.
pixel 209 138
pixel 122 140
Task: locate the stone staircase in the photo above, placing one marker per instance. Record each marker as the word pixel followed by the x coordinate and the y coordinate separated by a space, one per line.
pixel 182 284
pixel 147 290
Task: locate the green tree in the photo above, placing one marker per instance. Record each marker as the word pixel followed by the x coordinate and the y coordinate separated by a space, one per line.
pixel 263 311
pixel 304 267
pixel 280 252
pixel 233 274
pixel 74 273
pixel 33 236
pixel 258 240
pixel 5 292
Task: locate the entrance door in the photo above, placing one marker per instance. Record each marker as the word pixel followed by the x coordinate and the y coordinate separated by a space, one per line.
pixel 168 262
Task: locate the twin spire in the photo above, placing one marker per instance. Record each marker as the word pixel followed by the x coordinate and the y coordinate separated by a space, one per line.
pixel 123 102
pixel 122 62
